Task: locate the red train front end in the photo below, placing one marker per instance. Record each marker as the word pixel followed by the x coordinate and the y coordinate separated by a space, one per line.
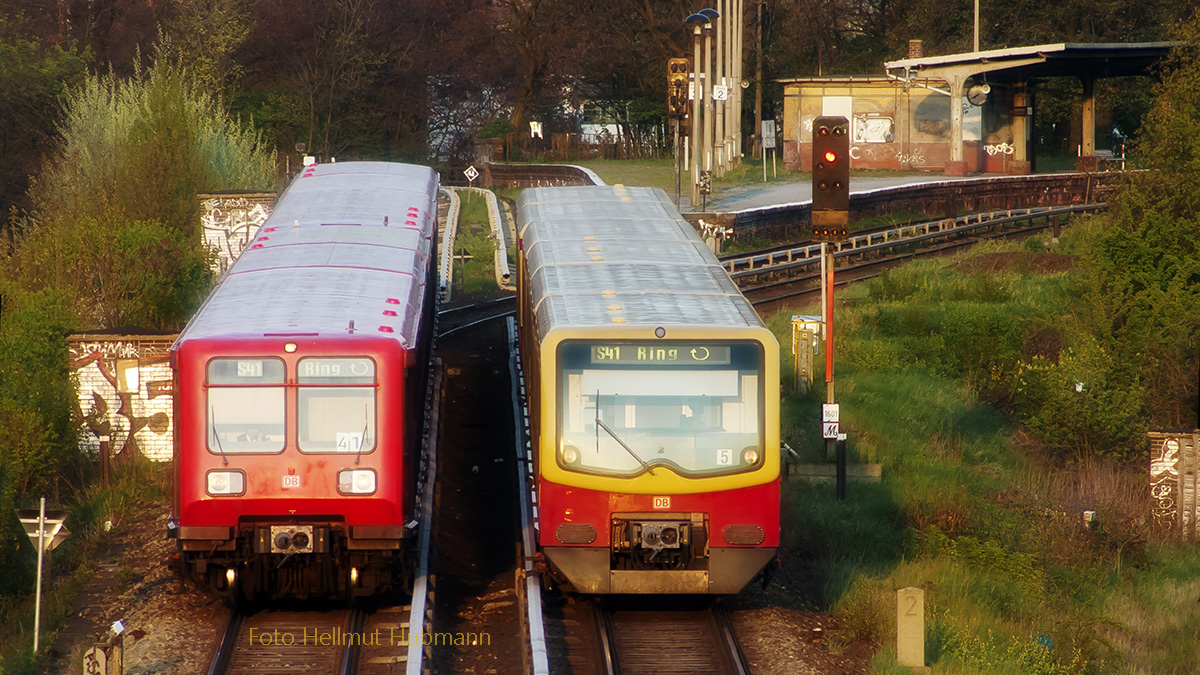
pixel 604 542
pixel 291 473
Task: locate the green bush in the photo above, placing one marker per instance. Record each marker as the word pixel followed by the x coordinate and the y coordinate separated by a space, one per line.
pixel 36 393
pixel 116 219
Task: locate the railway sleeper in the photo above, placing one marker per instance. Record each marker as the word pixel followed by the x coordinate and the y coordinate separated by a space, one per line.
pixel 299 561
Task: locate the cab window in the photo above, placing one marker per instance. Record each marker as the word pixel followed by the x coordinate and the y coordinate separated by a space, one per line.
pixel 245 405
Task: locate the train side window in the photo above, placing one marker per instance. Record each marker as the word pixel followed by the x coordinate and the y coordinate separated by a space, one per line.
pixel 246 409
pixel 336 405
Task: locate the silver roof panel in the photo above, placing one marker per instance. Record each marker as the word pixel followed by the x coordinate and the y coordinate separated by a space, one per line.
pixel 598 253
pixel 325 258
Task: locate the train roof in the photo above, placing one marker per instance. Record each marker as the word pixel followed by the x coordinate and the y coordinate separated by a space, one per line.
pixel 614 255
pixel 346 243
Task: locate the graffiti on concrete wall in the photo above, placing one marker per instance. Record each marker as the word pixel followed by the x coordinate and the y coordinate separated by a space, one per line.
pixel 872 129
pixel 124 393
pixel 1175 481
pixel 229 221
pixel 1163 477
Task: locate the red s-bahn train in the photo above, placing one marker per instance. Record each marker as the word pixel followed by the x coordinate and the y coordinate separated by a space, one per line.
pixel 300 389
pixel 653 398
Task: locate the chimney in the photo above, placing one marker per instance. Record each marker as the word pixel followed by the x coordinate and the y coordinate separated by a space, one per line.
pixel 914 49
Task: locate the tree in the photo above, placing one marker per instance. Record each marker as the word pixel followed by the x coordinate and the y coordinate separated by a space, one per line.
pixel 115 217
pixel 204 36
pixel 34 76
pixel 1133 354
pixel 343 77
pixel 1146 268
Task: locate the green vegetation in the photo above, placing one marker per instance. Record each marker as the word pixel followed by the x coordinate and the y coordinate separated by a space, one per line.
pixel 659 173
pixel 476 278
pixel 138 492
pixel 974 507
pixel 112 240
pixel 115 217
pixel 1005 392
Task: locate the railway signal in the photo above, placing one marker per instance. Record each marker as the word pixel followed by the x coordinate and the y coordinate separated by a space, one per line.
pixel 677 87
pixel 830 179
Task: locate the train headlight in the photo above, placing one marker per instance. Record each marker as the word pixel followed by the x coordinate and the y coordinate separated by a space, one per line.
pixel 570 455
pixel 226 483
pixel 750 456
pixel 356 481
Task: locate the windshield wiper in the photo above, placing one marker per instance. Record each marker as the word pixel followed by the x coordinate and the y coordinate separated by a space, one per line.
pixel 216 436
pixel 362 441
pixel 602 425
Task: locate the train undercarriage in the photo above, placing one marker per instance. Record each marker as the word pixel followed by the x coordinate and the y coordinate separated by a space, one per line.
pixel 656 553
pixel 293 560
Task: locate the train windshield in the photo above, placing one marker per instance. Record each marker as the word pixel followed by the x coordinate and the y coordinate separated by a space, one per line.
pixel 336 404
pixel 245 405
pixel 629 408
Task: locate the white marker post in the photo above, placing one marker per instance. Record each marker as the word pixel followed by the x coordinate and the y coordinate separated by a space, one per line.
pixel 910 628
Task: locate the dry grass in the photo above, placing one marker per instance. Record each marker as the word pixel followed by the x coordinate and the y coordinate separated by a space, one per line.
pixel 1158 624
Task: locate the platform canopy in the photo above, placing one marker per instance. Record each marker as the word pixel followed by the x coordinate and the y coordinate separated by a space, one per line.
pixel 1021 64
pixel 1018 66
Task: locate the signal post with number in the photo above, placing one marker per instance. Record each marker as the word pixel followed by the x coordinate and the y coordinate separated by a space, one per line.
pixel 830 223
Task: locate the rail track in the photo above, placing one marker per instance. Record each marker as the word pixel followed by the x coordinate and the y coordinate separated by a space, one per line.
pixel 454 319
pixel 378 637
pixel 283 640
pixel 696 641
pixel 798 255
pixel 796 268
pixel 641 636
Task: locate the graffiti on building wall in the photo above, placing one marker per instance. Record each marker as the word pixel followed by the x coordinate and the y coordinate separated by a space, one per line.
pixel 791 153
pixel 124 394
pixel 999 149
pixel 880 154
pixel 872 129
pixel 229 222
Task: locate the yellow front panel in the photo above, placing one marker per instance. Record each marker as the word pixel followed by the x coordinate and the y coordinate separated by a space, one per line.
pixel 663 480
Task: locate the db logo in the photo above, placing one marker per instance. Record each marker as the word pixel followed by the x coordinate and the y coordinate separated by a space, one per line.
pixel 662 502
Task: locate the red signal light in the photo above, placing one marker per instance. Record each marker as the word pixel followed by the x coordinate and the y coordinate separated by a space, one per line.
pixel 830 156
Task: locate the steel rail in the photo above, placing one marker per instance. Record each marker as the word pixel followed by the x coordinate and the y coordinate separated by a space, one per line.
pixel 450 331
pixel 808 253
pixel 478 305
pixel 226 644
pixel 729 640
pixel 539 659
pixel 880 262
pixel 449 232
pixel 235 656
pixel 419 614
pixel 699 640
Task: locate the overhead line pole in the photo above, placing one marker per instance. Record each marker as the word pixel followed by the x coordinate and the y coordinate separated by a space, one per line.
pixel 697 94
pixel 720 54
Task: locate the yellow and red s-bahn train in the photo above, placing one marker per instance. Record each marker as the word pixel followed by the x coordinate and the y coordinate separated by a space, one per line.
pixel 653 398
pixel 300 389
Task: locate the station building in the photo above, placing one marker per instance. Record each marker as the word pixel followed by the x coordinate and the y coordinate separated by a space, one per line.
pixel 958 113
